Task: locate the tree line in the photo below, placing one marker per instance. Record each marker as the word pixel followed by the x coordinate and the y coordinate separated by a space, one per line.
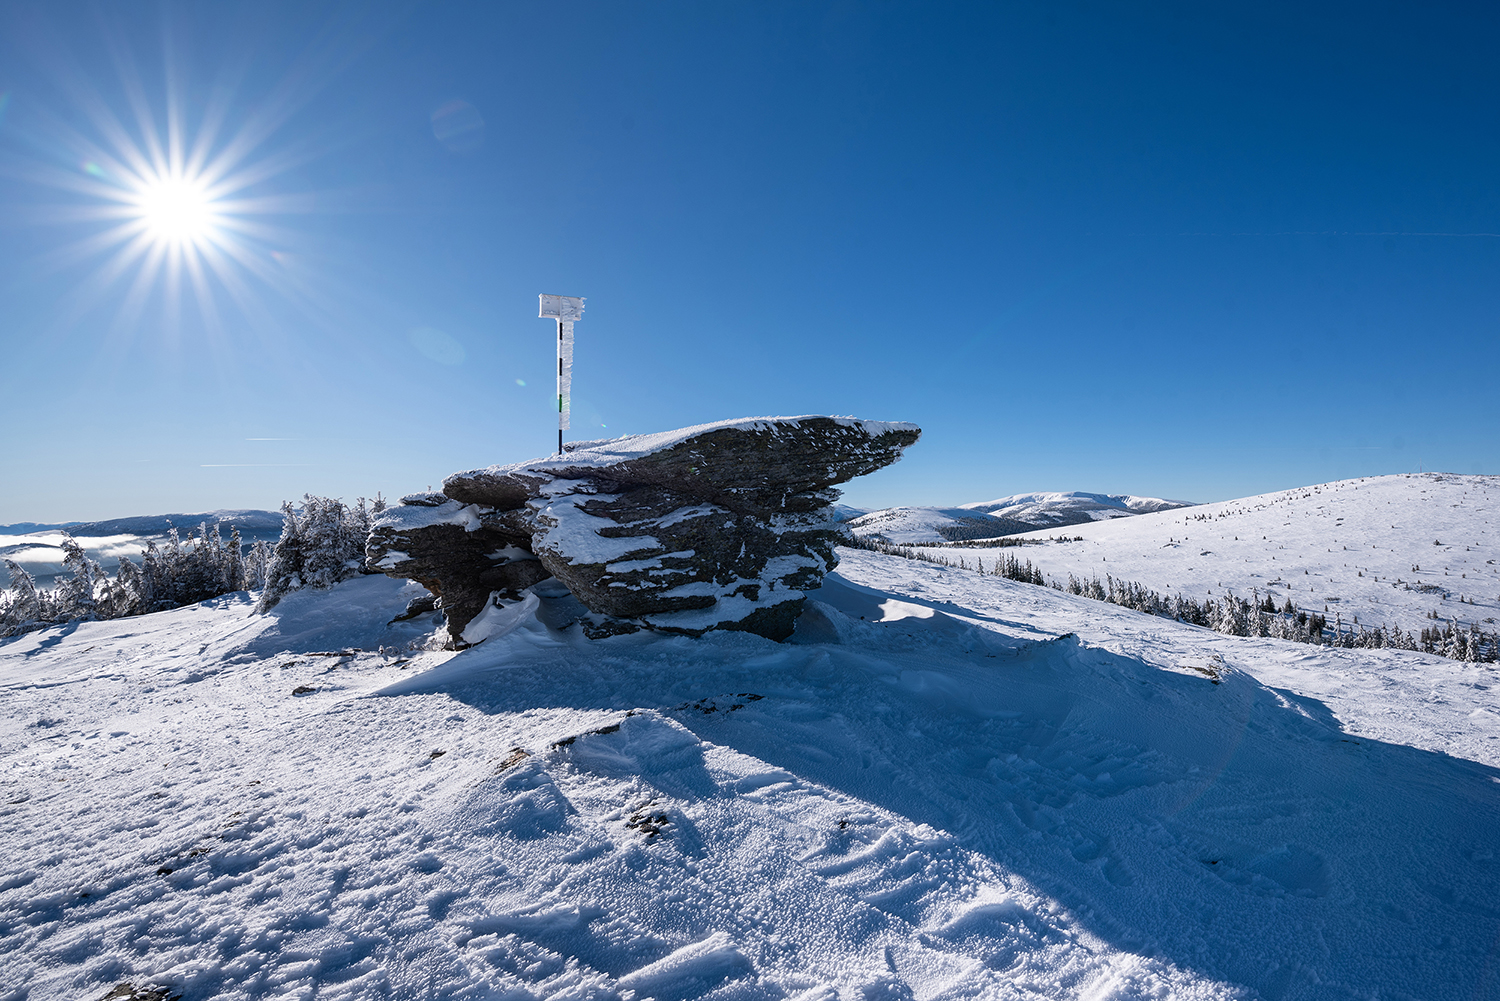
pixel 322 543
pixel 1232 616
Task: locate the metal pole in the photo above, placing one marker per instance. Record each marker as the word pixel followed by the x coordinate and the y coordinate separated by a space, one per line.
pixel 559 386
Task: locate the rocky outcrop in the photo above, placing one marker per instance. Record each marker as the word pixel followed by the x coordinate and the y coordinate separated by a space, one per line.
pixel 720 526
pixel 445 547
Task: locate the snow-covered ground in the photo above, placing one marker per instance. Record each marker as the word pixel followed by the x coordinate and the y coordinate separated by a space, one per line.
pixel 1004 516
pixel 1390 550
pixel 947 786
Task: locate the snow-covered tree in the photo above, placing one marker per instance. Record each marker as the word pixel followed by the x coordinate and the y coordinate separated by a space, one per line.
pixel 284 573
pixel 21 606
pixel 320 545
pixel 75 596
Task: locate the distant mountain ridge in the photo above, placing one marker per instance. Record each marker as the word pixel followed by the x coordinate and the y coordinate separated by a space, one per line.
pixel 1011 515
pixel 248 520
pixel 36 546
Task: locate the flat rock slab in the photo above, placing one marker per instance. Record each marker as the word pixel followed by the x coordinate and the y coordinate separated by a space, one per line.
pixel 718 526
pixel 754 465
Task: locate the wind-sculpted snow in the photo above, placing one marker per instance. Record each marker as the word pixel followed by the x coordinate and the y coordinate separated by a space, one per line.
pixel 946 786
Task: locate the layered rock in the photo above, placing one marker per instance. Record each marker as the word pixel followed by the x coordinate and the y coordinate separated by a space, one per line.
pixel 447 548
pixel 720 526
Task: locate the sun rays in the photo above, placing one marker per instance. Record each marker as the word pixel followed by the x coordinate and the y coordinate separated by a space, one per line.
pixel 169 209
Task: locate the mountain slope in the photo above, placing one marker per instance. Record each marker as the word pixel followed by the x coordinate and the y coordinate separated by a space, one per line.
pixel 1389 550
pixel 1071 508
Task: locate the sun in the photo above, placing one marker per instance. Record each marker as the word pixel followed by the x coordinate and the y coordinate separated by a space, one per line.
pixel 176 210
pixel 184 201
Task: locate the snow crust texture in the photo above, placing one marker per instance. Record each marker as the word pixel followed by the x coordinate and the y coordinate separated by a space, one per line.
pixel 946 786
pixel 719 526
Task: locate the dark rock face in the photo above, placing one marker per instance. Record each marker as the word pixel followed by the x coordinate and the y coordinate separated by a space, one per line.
pixel 722 526
pixel 447 549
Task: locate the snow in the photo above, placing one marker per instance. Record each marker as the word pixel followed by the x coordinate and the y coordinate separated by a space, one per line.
pixel 572 534
pixel 607 452
pixel 1389 549
pixel 914 526
pixel 1096 507
pixel 565 375
pixel 409 517
pixel 1005 516
pixel 498 619
pixel 980 789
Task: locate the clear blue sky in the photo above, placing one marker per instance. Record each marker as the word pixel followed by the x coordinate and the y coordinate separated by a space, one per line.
pixel 1175 249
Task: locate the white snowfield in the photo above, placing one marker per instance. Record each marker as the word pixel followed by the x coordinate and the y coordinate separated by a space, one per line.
pixel 947 786
pixel 1390 550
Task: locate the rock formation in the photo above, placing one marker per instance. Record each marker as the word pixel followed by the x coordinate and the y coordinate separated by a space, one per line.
pixel 720 526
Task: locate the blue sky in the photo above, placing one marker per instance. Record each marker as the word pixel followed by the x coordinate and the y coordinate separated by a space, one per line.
pixel 1177 250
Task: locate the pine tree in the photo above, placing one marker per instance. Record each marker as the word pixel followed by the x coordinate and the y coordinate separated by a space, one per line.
pixel 76 598
pixel 284 573
pixel 128 590
pixel 233 578
pixel 22 604
pixel 257 565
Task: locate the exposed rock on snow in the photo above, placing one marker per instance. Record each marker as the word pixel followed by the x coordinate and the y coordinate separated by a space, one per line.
pixel 444 546
pixel 719 526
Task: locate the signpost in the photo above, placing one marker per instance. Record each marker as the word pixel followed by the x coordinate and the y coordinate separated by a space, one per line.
pixel 565 309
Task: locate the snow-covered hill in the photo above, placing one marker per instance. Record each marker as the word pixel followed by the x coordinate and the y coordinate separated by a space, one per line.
pixel 1053 509
pixel 1389 550
pixel 39 551
pixel 1003 516
pixel 947 786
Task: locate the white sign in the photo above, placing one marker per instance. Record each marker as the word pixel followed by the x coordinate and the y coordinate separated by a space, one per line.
pixel 565 309
pixel 561 307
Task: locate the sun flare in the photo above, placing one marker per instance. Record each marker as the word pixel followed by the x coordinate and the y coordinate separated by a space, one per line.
pixel 176 210
pixel 184 208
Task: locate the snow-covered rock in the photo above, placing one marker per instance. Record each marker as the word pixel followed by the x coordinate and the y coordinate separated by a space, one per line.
pixel 718 526
pixel 444 546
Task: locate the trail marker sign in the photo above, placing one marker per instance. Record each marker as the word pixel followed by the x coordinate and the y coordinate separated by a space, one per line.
pixel 565 309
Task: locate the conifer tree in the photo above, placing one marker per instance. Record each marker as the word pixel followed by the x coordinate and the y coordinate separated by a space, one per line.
pixel 76 595
pixel 234 564
pixel 23 604
pixel 128 590
pixel 284 573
